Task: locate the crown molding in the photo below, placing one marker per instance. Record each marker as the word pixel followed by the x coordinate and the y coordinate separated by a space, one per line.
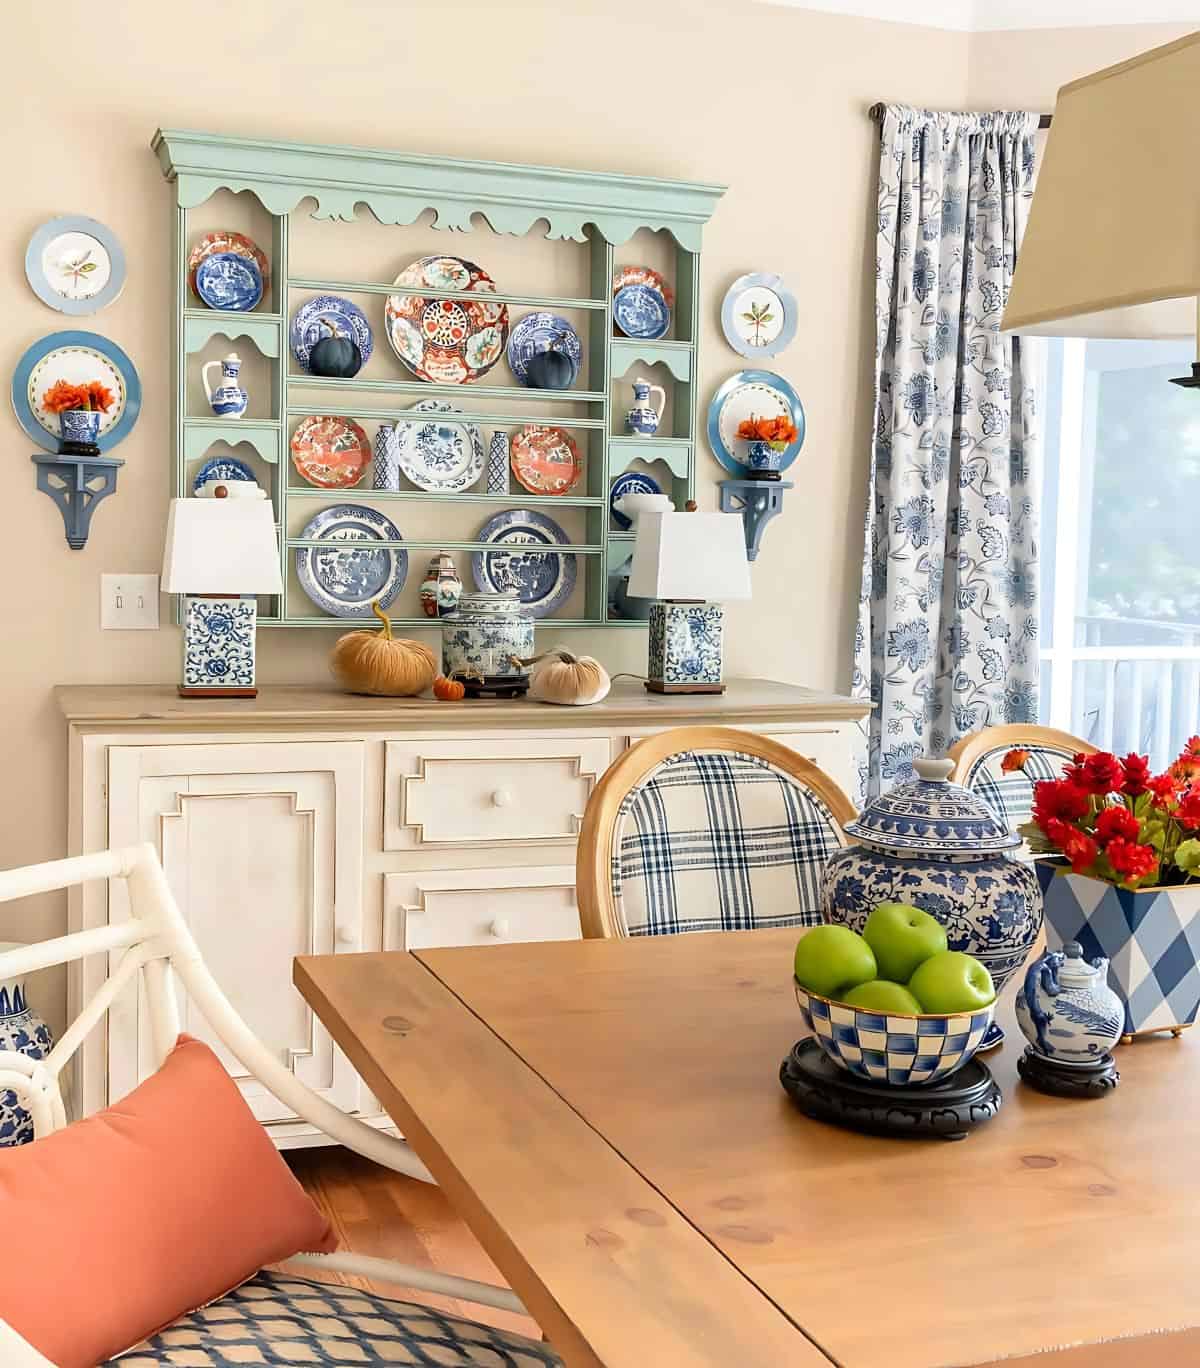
pixel 990 16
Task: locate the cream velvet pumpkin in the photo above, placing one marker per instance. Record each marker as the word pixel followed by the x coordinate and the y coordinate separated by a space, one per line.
pixel 378 663
pixel 557 676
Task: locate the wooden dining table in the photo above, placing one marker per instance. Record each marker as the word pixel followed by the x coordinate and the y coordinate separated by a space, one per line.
pixel 607 1118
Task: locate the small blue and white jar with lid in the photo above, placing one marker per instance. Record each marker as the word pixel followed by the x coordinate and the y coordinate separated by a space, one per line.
pixel 485 642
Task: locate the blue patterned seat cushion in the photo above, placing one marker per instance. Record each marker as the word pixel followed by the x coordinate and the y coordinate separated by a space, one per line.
pixel 716 841
pixel 1010 796
pixel 277 1321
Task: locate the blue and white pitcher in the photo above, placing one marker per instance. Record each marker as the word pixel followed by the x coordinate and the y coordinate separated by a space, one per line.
pixel 228 400
pixel 643 418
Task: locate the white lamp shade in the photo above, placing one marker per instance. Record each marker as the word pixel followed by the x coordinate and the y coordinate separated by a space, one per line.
pixel 221 546
pixel 690 556
pixel 1112 247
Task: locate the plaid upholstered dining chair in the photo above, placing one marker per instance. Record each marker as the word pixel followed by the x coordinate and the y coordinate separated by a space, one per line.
pixel 707 829
pixel 977 760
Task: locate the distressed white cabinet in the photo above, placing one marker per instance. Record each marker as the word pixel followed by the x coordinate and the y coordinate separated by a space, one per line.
pixel 309 822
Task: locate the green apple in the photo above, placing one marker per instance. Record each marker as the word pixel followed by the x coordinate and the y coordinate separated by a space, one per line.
pixel 881 995
pixel 902 937
pixel 952 982
pixel 830 960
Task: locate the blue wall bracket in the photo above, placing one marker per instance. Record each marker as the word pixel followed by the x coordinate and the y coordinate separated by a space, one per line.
pixel 758 501
pixel 76 484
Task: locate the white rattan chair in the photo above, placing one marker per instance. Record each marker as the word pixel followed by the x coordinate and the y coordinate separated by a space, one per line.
pixel 155 944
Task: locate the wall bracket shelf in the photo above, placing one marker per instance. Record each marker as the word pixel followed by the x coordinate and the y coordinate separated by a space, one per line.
pixel 77 484
pixel 758 501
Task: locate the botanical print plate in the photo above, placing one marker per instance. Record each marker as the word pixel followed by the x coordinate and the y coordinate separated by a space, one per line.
pixel 441 457
pixel 227 241
pixel 348 575
pixel 632 482
pixel 537 332
pixel 75 264
pixel 542 579
pixel 641 311
pixel 758 315
pixel 546 460
pixel 643 275
pixel 224 468
pixel 75 357
pixel 327 316
pixel 447 341
pixel 332 453
pixel 751 394
pixel 230 282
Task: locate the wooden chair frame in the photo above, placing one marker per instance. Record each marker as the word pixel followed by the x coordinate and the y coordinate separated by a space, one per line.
pixel 598 916
pixel 966 752
pixel 155 945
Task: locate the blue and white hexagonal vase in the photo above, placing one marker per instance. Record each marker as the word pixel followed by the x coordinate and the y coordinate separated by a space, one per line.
pixel 218 644
pixel 685 646
pixel 1150 937
pixel 22 1030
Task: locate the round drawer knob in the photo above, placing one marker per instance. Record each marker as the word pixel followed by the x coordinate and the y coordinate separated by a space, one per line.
pixel 499 929
pixel 344 935
pixel 501 798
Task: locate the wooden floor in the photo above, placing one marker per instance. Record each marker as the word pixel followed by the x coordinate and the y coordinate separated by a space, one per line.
pixel 377 1212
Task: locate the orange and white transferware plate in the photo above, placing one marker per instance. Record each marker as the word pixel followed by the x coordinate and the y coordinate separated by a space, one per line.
pixel 225 240
pixel 332 453
pixel 643 275
pixel 546 460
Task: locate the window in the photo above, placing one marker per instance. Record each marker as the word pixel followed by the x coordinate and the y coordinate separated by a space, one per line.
pixel 1120 551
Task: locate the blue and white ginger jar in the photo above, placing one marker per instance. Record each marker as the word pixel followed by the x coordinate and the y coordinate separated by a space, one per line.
pixel 487 637
pixel 23 1031
pixel 932 844
pixel 1065 1008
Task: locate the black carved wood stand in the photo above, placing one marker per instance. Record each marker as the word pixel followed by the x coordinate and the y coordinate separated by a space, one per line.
pixel 1068 1080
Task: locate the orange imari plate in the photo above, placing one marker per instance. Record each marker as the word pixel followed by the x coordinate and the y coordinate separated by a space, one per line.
pixel 332 453
pixel 446 341
pixel 225 240
pixel 546 460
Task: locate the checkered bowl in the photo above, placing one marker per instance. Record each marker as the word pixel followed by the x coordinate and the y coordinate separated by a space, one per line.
pixel 890 1048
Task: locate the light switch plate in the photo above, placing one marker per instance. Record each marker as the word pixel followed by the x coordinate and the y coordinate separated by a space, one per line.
pixel 129 602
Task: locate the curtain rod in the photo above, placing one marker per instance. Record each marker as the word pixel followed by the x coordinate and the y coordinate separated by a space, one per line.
pixel 877 112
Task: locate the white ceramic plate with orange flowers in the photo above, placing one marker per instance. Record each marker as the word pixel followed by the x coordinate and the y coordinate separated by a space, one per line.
pixel 227 241
pixel 546 460
pixel 747 395
pixel 331 453
pixel 76 360
pixel 446 341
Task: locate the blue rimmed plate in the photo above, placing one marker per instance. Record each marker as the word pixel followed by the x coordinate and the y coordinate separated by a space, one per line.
pixel 751 394
pixel 542 579
pixel 537 332
pixel 75 264
pixel 229 281
pixel 323 316
pixel 759 316
pixel 641 311
pixel 632 482
pixel 76 357
pixel 223 468
pixel 441 457
pixel 348 576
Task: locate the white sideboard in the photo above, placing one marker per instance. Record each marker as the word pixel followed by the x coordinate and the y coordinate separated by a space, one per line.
pixel 310 822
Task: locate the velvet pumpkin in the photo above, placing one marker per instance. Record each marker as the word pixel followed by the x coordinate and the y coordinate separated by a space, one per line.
pixel 337 356
pixel 369 662
pixel 557 676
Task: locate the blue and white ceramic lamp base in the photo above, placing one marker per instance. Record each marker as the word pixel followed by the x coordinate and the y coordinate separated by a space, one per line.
pixel 685 647
pixel 219 646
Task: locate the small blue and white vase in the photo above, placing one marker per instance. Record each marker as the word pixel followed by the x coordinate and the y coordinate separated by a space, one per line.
pixel 936 846
pixel 497 464
pixel 1066 1010
pixel 762 461
pixel 21 1030
pixel 385 471
pixel 79 429
pixel 228 399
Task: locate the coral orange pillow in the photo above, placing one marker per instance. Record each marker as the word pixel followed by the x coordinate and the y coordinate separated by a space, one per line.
pixel 145 1211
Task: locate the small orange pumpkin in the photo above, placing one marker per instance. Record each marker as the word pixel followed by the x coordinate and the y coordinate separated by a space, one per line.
pixel 449 690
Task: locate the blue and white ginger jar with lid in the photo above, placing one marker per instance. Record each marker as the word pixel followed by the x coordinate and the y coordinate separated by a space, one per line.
pixel 21 1030
pixel 934 845
pixel 1066 1010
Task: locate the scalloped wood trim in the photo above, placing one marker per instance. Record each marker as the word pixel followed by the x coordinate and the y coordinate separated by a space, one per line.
pixel 199 437
pixel 261 333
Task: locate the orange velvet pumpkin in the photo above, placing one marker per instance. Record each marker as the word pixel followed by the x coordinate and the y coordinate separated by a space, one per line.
pixel 369 662
pixel 449 690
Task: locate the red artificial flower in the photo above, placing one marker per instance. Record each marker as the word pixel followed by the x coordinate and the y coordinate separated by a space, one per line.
pixel 1136 769
pixel 1057 831
pixel 1080 849
pixel 1164 788
pixel 1187 814
pixel 1074 771
pixel 1135 862
pixel 1116 823
pixel 1101 773
pixel 1016 759
pixel 1058 798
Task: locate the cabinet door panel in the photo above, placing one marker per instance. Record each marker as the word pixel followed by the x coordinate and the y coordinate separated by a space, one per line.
pixel 479 907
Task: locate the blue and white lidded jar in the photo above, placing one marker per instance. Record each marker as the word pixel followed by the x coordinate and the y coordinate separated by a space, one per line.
pixel 486 639
pixel 1066 1010
pixel 934 845
pixel 21 1030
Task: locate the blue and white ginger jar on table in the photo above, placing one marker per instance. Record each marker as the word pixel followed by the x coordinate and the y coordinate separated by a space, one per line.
pixel 1065 1008
pixel 932 844
pixel 23 1031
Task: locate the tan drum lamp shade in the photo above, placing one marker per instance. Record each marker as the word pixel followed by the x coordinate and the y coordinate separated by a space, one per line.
pixel 1112 246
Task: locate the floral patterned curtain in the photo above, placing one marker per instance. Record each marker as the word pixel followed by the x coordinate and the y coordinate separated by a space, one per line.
pixel 946 641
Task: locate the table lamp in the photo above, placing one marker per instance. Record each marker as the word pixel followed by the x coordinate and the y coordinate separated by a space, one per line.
pixel 219 554
pixel 690 564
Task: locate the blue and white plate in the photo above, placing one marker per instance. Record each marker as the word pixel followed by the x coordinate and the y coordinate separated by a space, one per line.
pixel 541 579
pixel 441 457
pixel 224 468
pixel 228 281
pixel 751 394
pixel 76 357
pixel 641 311
pixel 632 482
pixel 345 578
pixel 322 317
pixel 537 332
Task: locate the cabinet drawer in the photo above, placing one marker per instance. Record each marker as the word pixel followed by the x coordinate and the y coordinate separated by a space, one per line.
pixel 479 907
pixel 481 791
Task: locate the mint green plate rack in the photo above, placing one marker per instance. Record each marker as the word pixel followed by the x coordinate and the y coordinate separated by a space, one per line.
pixel 598 210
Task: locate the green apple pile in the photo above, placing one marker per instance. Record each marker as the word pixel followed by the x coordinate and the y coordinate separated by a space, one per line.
pixel 899 964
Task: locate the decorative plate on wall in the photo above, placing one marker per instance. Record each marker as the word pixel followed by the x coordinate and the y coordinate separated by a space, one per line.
pixel 447 341
pixel 325 316
pixel 76 357
pixel 643 275
pixel 546 460
pixel 224 469
pixel 758 315
pixel 537 332
pixel 229 281
pixel 75 264
pixel 541 579
pixel 641 311
pixel 331 453
pixel 632 482
pixel 751 394
pixel 348 575
pixel 227 241
pixel 441 457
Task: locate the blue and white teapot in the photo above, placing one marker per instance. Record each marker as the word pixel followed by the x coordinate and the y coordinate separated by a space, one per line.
pixel 1066 1010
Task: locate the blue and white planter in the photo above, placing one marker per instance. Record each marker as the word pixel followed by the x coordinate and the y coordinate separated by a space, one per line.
pixel 79 428
pixel 933 845
pixel 21 1030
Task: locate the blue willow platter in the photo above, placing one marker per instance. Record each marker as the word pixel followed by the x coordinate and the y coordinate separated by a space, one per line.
pixel 542 579
pixel 348 575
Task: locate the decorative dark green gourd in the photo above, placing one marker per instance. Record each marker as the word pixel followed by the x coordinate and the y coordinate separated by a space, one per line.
pixel 336 355
pixel 551 369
